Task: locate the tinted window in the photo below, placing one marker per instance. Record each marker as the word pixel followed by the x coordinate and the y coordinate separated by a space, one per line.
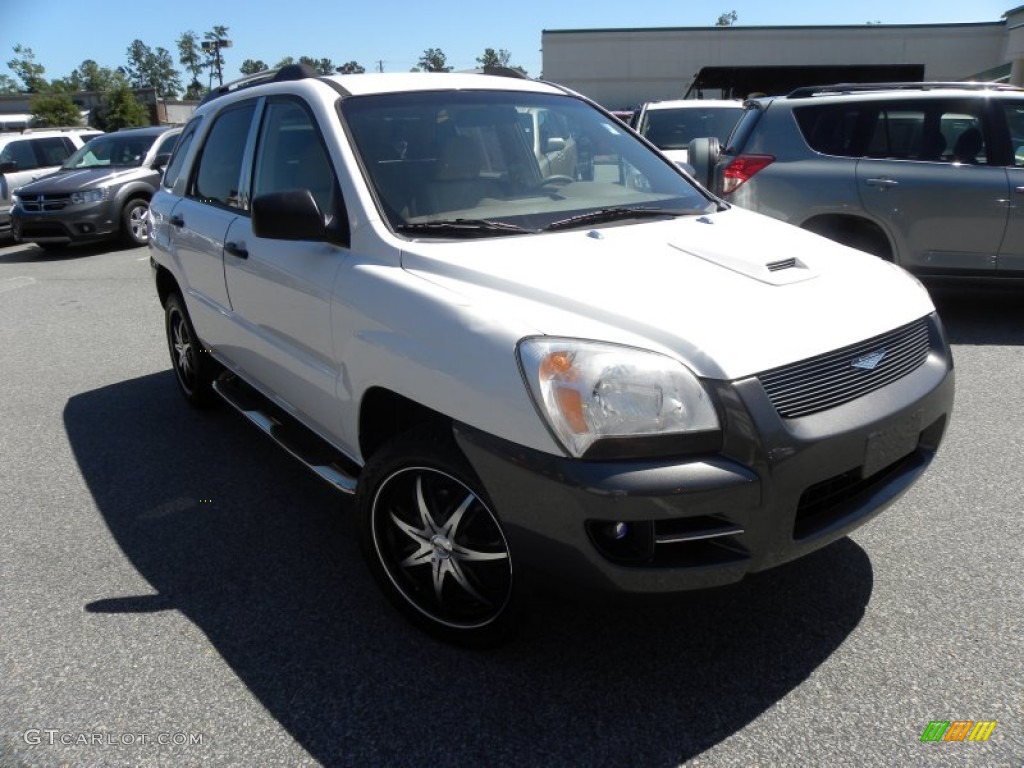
pixel 167 143
pixel 118 150
pixel 53 151
pixel 1015 121
pixel 220 162
pixel 674 128
pixel 19 152
pixel 291 154
pixel 932 131
pixel 830 129
pixel 178 158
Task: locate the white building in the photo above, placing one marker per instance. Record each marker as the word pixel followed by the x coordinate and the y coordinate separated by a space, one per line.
pixel 621 68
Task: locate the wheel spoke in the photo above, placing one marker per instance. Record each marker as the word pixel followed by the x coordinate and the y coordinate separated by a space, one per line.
pixel 429 526
pixel 450 529
pixel 460 552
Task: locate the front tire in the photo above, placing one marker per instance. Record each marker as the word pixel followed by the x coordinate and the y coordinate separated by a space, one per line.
pixel 434 543
pixel 193 366
pixel 134 222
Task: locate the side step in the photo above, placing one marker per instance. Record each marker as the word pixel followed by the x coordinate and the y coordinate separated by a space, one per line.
pixel 313 451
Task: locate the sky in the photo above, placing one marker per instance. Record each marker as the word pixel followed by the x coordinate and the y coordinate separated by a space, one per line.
pixel 392 36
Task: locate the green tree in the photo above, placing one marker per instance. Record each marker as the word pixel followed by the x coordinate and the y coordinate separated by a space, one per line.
pixel 55 109
pixel 90 76
pixel 31 73
pixel 500 58
pixel 351 68
pixel 152 69
pixel 727 19
pixel 252 66
pixel 7 84
pixel 434 60
pixel 285 62
pixel 190 56
pixel 322 66
pixel 122 110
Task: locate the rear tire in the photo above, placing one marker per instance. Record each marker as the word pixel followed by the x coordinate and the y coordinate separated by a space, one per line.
pixel 434 543
pixel 193 366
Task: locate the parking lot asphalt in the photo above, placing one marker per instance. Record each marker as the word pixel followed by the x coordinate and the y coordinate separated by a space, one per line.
pixel 177 591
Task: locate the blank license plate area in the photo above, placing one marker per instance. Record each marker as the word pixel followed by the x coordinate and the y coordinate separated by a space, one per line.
pixel 891 444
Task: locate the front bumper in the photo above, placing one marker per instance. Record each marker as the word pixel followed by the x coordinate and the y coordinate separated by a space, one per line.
pixel 778 489
pixel 78 224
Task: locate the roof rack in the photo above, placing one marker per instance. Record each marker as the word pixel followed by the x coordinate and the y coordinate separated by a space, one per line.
pixel 841 88
pixel 287 72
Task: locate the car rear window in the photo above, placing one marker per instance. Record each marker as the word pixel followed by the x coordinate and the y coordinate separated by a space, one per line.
pixel 830 128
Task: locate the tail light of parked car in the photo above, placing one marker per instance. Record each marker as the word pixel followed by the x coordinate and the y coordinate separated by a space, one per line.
pixel 741 169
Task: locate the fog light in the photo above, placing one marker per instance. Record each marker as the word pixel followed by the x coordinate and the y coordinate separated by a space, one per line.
pixel 620 531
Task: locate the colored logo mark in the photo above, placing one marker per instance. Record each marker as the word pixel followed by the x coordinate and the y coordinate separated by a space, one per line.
pixel 958 730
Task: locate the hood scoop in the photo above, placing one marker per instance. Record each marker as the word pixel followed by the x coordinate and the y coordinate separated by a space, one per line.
pixel 774 272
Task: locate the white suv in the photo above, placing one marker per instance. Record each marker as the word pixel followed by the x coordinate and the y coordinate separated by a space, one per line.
pixel 617 381
pixel 30 155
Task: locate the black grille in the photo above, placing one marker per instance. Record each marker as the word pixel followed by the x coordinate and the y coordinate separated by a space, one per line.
pixel 40 203
pixel 838 377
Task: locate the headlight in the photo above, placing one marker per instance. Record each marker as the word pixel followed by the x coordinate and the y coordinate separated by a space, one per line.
pixel 588 391
pixel 89 196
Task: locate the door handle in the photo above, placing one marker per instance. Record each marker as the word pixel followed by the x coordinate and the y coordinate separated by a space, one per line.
pixel 236 249
pixel 1020 190
pixel 882 183
pixel 177 221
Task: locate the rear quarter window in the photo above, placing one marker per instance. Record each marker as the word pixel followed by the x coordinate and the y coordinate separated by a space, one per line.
pixel 829 129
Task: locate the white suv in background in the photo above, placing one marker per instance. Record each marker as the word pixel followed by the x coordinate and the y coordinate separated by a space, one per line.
pixel 32 154
pixel 525 378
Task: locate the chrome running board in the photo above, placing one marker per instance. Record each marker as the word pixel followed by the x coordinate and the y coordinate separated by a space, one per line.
pixel 306 446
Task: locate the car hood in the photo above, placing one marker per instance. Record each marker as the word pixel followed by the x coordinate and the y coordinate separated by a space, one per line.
pixel 731 294
pixel 83 178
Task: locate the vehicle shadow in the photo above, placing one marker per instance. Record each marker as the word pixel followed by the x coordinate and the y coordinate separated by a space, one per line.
pixel 981 313
pixel 30 252
pixel 262 557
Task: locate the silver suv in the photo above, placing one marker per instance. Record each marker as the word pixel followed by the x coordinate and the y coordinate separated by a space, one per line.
pixel 928 175
pixel 527 378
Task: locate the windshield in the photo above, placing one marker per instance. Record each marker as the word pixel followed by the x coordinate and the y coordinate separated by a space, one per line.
pixel 492 163
pixel 111 150
pixel 675 128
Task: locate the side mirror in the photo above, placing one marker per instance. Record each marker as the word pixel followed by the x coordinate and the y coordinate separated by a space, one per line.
pixel 289 215
pixel 554 144
pixel 8 167
pixel 704 154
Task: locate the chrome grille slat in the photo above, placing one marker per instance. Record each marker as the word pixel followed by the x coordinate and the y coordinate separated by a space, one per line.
pixel 829 380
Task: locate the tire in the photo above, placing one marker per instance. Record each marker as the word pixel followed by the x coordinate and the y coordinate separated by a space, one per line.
pixel 434 543
pixel 134 220
pixel 193 367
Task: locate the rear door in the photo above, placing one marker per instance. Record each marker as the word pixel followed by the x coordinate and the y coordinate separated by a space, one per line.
pixel 1011 254
pixel 197 225
pixel 942 195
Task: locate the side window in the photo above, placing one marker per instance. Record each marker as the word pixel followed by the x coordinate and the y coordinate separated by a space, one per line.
pixel 167 143
pixel 20 152
pixel 948 131
pixel 173 169
pixel 218 177
pixel 902 134
pixel 291 154
pixel 830 130
pixel 53 151
pixel 1015 122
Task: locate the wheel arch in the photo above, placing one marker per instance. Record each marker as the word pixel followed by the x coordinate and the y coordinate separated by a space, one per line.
pixel 855 231
pixel 165 284
pixel 385 414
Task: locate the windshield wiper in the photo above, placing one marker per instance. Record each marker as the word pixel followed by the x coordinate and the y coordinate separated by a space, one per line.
pixel 471 227
pixel 615 214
